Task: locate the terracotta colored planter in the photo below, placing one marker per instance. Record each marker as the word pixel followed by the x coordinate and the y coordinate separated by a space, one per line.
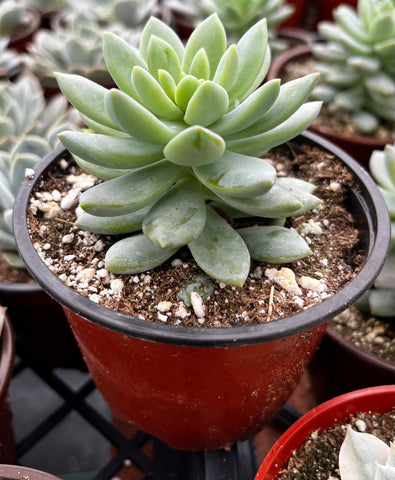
pixel 7 354
pixel 16 472
pixel 41 326
pixel 379 399
pixel 202 389
pixel 358 147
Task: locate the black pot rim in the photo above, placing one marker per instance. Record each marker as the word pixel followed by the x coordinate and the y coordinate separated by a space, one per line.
pixel 379 232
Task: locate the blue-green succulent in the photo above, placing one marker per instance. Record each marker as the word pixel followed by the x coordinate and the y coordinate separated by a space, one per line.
pixel 179 142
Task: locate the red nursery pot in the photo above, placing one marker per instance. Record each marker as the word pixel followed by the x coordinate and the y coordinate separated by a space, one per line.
pixel 7 354
pixel 359 147
pixel 204 388
pixel 379 399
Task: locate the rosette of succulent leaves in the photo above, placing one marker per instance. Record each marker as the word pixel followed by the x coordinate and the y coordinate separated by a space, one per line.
pixel 357 63
pixel 380 300
pixel 179 141
pixel 75 47
pixel 13 17
pixel 364 456
pixel 28 130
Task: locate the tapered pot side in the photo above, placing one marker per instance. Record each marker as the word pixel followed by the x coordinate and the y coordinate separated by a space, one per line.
pixel 380 399
pixel 7 354
pixel 358 147
pixel 200 389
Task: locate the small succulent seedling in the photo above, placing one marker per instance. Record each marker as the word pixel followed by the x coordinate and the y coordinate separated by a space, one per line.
pixel 178 144
pixel 28 131
pixel 357 63
pixel 364 456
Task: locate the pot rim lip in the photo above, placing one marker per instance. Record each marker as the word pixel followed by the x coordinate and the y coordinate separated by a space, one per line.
pixel 210 337
pixel 307 49
pixel 322 417
pixel 16 472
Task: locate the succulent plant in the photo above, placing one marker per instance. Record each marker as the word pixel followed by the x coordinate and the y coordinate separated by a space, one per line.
pixel 28 130
pixel 44 6
pixel 13 17
pixel 10 61
pixel 178 142
pixel 357 63
pixel 364 456
pixel 380 300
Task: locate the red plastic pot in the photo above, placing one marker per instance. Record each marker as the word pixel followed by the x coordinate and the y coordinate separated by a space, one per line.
pixel 7 354
pixel 358 147
pixel 379 399
pixel 202 389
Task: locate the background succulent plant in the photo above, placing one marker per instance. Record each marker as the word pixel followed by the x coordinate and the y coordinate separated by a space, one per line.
pixel 45 6
pixel 28 130
pixel 364 456
pixel 380 300
pixel 10 61
pixel 179 139
pixel 357 63
pixel 13 17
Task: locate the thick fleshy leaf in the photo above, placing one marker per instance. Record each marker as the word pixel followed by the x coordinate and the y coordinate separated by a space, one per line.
pixel 290 128
pixel 274 244
pixel 209 102
pixel 379 171
pixel 302 190
pixel 155 27
pixel 21 162
pixel 228 65
pixel 210 35
pixel 389 198
pixel 381 28
pixel 121 58
pixel 102 129
pixel 7 241
pixel 130 222
pixel 136 120
pixel 277 202
pixel 200 66
pixel 168 84
pixel 130 192
pixel 185 89
pixel 6 195
pixel 86 96
pixel 382 302
pixel 161 56
pixel 103 173
pixel 237 175
pixel 249 111
pixel 291 96
pixel 136 254
pixel 178 217
pixel 220 251
pixel 194 146
pixel 153 96
pixel 254 61
pixel 13 259
pixel 347 18
pixel 111 152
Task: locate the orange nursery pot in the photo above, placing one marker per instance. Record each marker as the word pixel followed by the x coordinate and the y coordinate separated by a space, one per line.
pixel 204 388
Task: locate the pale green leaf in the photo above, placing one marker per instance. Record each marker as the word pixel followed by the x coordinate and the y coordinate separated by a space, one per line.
pixel 155 27
pixel 220 251
pixel 228 65
pixel 194 146
pixel 237 175
pixel 274 244
pixel 200 66
pixel 178 217
pixel 209 102
pixel 167 83
pixel 111 152
pixel 20 163
pixel 161 56
pixel 130 192
pixel 184 91
pixel 104 173
pixel 136 254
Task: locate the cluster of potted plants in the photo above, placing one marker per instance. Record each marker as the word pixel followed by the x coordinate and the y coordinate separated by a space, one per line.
pixel 198 239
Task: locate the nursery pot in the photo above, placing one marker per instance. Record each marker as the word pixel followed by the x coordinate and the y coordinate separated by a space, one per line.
pixel 204 388
pixel 41 326
pixel 7 354
pixel 379 399
pixel 17 472
pixel 359 147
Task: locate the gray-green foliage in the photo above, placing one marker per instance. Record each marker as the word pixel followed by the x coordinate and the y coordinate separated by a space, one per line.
pixel 381 299
pixel 180 140
pixel 10 61
pixel 28 130
pixel 13 17
pixel 45 6
pixel 357 63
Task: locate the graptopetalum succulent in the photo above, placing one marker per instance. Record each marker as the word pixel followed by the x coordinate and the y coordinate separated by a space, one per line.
pixel 364 456
pixel 380 300
pixel 28 131
pixel 357 63
pixel 180 140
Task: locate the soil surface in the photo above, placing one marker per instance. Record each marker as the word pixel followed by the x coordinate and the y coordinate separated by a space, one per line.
pixel 318 457
pixel 78 257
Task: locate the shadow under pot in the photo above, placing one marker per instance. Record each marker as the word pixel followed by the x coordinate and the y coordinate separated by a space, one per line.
pixel 204 388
